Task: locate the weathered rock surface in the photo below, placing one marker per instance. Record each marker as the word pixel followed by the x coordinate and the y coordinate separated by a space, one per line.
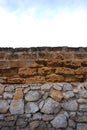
pixel 17 106
pixel 59 121
pixel 83 107
pixel 56 95
pixel 50 106
pixel 4 105
pixel 70 105
pixel 31 107
pixel 81 126
pixel 33 96
pixel 68 94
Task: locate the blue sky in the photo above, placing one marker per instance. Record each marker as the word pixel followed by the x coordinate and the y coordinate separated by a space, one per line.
pixel 26 23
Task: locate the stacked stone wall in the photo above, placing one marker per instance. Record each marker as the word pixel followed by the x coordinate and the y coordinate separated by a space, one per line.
pixel 43 88
pixel 57 106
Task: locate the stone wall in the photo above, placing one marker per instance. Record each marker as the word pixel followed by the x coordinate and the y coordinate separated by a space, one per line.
pixel 43 88
pixel 42 65
pixel 57 106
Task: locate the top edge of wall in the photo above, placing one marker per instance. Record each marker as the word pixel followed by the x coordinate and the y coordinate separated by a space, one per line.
pixel 35 49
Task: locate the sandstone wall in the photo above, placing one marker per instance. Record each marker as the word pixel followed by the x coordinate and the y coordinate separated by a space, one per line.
pixel 43 88
pixel 41 65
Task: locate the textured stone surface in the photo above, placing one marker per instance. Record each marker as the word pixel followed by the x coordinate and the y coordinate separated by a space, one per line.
pixel 17 106
pixel 7 95
pixel 83 94
pixel 1 89
pixel 32 96
pixel 56 95
pixel 50 106
pixel 9 88
pixel 70 105
pixel 81 126
pixel 31 107
pixel 83 107
pixel 4 105
pixel 68 94
pixel 59 121
pixel 67 87
pixel 47 117
pixel 34 124
pixel 43 110
pixel 46 86
pixel 18 94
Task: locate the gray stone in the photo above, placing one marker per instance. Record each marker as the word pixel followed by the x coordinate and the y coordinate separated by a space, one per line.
pixel 83 94
pixel 81 126
pixel 67 87
pixel 26 90
pixel 9 88
pixel 81 119
pixel 68 94
pixel 72 123
pixel 82 86
pixel 4 106
pixel 5 128
pixel 37 116
pixel 7 95
pixel 11 117
pixel 66 114
pixel 33 96
pixel 72 115
pixel 7 123
pixel 34 124
pixel 50 106
pixel 41 104
pixel 82 101
pixel 70 105
pixel 69 128
pixel 21 122
pixel 46 87
pixel 46 117
pixel 31 107
pixel 57 87
pixel 83 107
pixel 59 121
pixel 35 87
pixel 17 106
pixel 2 117
pixel 45 96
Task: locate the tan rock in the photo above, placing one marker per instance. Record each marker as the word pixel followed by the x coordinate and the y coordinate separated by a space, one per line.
pixel 54 78
pixel 18 94
pixel 1 89
pixel 56 95
pixel 35 79
pixel 15 80
pixel 64 70
pixel 44 70
pixel 25 72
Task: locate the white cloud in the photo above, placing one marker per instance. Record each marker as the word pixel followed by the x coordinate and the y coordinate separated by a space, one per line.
pixel 65 29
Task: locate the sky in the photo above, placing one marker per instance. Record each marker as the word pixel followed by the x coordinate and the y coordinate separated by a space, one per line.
pixel 35 23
